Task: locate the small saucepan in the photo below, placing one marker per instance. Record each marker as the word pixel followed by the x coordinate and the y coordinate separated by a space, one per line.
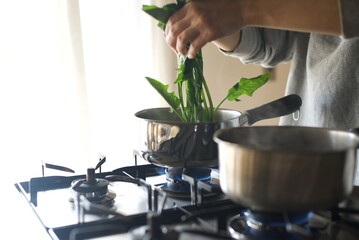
pixel 167 142
pixel 286 168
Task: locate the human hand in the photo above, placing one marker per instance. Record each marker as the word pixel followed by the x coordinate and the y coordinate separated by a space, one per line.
pixel 201 21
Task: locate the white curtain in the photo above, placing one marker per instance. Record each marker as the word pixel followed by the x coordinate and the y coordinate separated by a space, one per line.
pixel 72 75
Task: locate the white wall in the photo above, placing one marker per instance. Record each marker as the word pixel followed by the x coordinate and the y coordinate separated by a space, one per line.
pixel 222 72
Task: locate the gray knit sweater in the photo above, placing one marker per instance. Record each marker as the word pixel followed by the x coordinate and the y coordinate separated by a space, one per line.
pixel 324 69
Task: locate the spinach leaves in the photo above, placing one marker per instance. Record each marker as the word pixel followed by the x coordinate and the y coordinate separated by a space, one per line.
pixel 193 102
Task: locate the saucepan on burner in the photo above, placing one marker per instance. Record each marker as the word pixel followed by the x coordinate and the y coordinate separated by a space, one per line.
pixel 286 168
pixel 168 142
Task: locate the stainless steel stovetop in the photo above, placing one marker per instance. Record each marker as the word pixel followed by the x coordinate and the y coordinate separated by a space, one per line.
pixel 140 203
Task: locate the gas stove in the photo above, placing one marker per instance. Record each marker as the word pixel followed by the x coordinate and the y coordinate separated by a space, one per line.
pixel 145 201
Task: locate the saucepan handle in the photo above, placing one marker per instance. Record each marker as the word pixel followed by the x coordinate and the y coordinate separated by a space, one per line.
pixel 277 108
pixel 356 131
pixel 356 167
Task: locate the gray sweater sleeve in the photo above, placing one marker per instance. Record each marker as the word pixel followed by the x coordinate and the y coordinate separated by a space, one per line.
pixel 266 47
pixel 349 14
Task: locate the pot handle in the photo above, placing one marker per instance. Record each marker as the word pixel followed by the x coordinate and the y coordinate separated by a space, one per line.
pixel 277 108
pixel 355 130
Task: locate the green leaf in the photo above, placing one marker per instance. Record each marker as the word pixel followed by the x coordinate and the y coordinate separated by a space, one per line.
pixel 247 86
pixel 194 102
pixel 162 89
pixel 161 14
pixel 180 69
pixel 180 3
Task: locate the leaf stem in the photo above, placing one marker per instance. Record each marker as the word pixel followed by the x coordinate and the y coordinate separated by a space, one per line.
pixel 218 106
pixel 208 94
pixel 180 96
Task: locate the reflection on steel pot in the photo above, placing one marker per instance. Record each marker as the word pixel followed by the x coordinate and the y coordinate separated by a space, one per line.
pixel 286 168
pixel 168 142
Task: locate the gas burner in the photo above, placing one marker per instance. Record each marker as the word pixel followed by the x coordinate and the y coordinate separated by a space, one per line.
pixel 177 186
pixel 141 210
pixel 257 225
pixel 93 189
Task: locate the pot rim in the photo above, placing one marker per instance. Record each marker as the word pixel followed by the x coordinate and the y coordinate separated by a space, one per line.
pixel 219 111
pixel 352 144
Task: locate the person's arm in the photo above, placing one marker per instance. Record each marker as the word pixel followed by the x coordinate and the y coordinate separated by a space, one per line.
pixel 203 21
pixel 321 16
pixel 300 16
pixel 228 43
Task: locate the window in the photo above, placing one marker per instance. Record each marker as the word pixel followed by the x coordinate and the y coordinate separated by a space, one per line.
pixel 72 75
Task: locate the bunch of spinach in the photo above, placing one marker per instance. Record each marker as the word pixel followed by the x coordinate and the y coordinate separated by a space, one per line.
pixel 194 102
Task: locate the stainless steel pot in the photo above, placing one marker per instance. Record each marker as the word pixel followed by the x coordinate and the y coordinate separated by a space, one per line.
pixel 286 168
pixel 168 142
